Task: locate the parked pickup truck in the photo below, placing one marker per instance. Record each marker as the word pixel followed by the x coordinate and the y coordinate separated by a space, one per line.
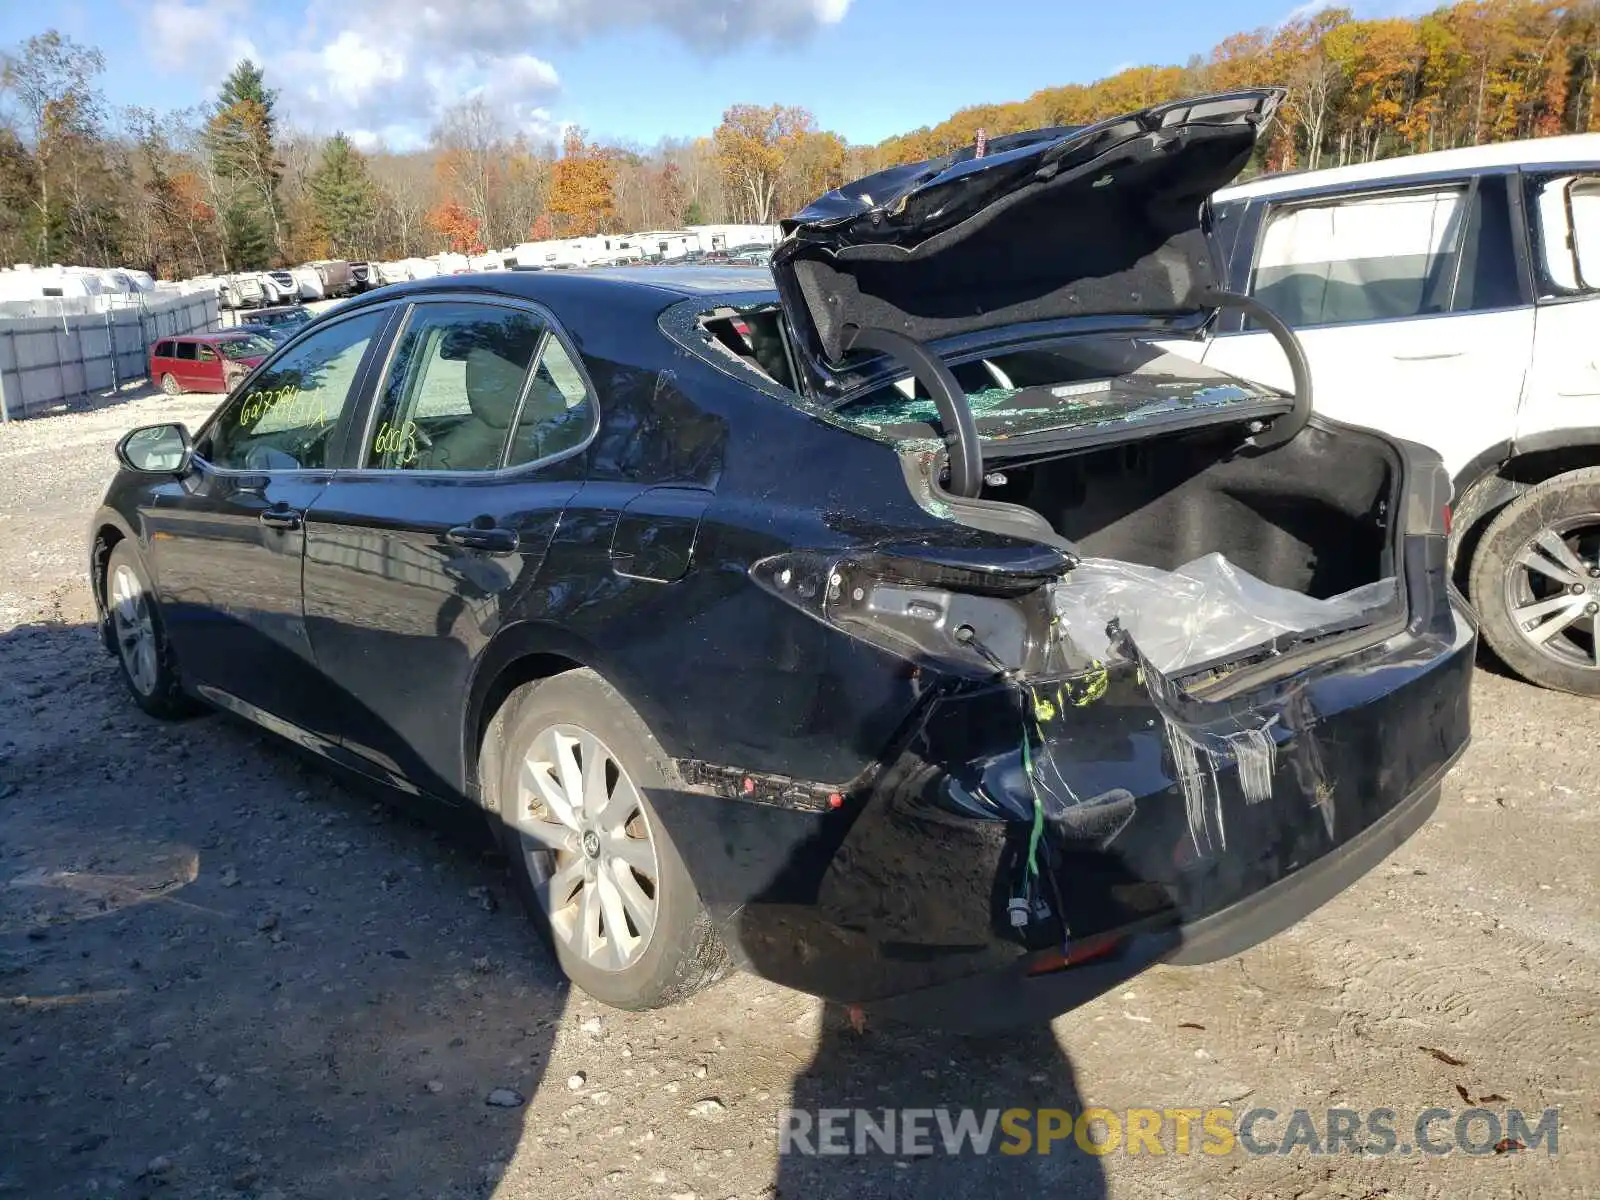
pixel 1453 299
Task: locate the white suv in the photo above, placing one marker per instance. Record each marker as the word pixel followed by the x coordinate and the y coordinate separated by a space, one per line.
pixel 1453 298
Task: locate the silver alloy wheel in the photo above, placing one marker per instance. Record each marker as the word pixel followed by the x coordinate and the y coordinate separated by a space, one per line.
pixel 135 631
pixel 589 847
pixel 1553 591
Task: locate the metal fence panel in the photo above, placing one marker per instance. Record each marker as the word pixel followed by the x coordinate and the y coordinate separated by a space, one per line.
pixel 58 350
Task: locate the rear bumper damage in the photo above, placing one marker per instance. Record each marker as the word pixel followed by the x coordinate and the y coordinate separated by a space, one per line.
pixel 1036 989
pixel 1172 828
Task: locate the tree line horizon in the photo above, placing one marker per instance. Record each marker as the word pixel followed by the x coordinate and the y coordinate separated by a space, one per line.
pixel 228 186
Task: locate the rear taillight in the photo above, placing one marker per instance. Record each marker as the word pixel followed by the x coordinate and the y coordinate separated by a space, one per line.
pixel 1082 950
pixel 963 617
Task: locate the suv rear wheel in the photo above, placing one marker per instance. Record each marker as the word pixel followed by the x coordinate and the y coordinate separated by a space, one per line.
pixel 1536 583
pixel 569 767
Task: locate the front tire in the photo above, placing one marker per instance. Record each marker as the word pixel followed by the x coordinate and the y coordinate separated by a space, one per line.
pixel 149 665
pixel 1536 583
pixel 569 768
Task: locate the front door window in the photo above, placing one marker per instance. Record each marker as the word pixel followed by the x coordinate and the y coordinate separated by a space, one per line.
pixel 285 419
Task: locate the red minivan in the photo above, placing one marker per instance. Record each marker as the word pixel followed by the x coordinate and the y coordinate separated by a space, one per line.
pixel 205 362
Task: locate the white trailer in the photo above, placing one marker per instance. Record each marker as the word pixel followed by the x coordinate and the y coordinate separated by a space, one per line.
pixel 448 262
pixel 25 282
pixel 719 239
pixel 560 252
pixel 322 279
pixel 665 245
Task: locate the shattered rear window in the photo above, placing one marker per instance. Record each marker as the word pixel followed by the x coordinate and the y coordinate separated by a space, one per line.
pixel 1062 386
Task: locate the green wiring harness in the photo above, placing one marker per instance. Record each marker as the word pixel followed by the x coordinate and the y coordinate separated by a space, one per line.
pixel 1040 709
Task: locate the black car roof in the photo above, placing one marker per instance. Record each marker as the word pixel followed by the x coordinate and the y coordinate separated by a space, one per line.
pixel 670 284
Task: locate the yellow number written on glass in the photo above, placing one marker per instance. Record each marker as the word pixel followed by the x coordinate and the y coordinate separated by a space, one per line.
pixel 397 442
pixel 294 407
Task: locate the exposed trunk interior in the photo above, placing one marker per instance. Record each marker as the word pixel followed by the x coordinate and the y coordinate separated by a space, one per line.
pixel 1312 516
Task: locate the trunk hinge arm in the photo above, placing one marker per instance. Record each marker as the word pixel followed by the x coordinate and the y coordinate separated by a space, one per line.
pixel 1285 428
pixel 955 414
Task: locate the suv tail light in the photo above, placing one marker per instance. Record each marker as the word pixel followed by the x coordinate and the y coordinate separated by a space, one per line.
pixel 957 610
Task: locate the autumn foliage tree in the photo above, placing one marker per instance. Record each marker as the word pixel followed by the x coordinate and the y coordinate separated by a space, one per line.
pixel 754 144
pixel 582 200
pixel 457 227
pixel 229 189
pixel 52 79
pixel 172 220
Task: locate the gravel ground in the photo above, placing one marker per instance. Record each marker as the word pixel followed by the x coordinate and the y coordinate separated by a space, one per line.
pixel 223 972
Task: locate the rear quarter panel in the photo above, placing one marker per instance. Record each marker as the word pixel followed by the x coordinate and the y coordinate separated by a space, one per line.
pixel 720 669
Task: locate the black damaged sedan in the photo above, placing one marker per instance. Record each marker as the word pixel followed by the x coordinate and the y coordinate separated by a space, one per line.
pixel 915 625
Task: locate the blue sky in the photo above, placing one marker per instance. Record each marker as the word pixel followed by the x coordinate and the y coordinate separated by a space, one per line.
pixel 635 70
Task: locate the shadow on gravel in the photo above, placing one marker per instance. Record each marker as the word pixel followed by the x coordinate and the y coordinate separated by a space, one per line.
pixel 224 972
pixel 905 1069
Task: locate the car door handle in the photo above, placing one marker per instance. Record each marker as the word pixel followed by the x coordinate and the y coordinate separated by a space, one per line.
pixel 474 537
pixel 282 518
pixel 1428 357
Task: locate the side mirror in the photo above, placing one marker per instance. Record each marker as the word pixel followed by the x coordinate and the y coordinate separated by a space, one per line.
pixel 157 450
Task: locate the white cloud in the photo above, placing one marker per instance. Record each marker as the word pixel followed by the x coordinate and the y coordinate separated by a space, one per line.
pixel 487 25
pixel 387 68
pixel 524 72
pixel 200 39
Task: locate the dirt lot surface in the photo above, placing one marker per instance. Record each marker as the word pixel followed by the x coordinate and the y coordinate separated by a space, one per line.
pixel 224 973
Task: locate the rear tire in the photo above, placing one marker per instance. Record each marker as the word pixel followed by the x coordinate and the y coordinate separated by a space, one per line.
pixel 601 878
pixel 171 386
pixel 149 665
pixel 1536 583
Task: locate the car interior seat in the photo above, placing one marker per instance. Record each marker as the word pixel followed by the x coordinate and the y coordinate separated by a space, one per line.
pixel 493 385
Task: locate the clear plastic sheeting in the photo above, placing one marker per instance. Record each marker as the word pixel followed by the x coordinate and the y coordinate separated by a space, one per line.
pixel 1206 609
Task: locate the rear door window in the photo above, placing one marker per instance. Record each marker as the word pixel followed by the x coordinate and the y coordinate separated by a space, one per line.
pixel 474 387
pixel 184 351
pixel 1369 258
pixel 557 412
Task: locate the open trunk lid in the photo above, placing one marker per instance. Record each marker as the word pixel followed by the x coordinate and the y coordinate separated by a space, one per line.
pixel 1104 219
